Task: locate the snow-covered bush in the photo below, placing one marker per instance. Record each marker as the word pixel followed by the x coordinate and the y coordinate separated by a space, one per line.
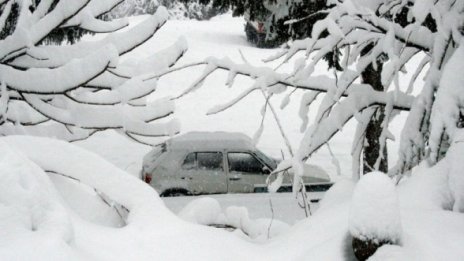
pixel 72 91
pixel 134 7
pixel 178 10
pixel 191 10
pixel 374 214
pixel 204 211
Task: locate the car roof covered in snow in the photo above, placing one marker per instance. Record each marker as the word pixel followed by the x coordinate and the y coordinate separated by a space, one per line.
pixel 211 141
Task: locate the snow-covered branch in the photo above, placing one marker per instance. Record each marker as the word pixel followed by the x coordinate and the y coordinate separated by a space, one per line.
pixel 433 31
pixel 72 91
pixel 389 34
pixel 265 77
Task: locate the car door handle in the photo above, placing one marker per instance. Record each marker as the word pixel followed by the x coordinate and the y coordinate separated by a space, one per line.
pixel 235 178
pixel 189 178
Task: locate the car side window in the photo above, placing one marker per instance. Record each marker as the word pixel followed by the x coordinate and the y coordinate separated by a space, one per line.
pixel 189 161
pixel 209 160
pixel 245 163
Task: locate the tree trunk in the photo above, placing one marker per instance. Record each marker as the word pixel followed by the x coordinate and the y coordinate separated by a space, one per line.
pixel 371 150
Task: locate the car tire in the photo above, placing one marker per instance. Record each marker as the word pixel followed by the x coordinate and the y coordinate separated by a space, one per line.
pixel 175 193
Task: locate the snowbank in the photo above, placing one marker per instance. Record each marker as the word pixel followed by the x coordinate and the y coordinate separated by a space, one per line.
pixel 37 224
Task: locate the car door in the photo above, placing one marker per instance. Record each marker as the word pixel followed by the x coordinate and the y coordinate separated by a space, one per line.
pixel 245 172
pixel 204 172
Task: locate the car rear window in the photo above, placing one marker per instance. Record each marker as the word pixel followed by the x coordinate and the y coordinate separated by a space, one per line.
pixel 189 161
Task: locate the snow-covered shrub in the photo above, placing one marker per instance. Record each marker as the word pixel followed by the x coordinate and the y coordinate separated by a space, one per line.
pixel 134 7
pixel 374 215
pixel 456 171
pixel 204 211
pixel 178 10
pixel 190 10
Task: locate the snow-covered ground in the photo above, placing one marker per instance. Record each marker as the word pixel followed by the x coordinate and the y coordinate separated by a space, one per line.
pixel 40 224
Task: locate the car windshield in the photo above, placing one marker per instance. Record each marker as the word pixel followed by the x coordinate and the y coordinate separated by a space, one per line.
pixel 268 161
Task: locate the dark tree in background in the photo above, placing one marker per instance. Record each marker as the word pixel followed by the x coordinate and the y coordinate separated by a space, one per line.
pixel 177 9
pixel 57 36
pixel 273 15
pixel 271 23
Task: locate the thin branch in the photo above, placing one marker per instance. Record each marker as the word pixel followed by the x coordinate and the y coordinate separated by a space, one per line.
pixel 318 83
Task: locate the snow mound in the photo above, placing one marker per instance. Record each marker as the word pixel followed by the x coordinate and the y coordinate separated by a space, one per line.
pixel 208 211
pixel 440 186
pixel 204 211
pixel 142 201
pixel 456 176
pixel 427 188
pixel 260 229
pixel 30 212
pixel 375 213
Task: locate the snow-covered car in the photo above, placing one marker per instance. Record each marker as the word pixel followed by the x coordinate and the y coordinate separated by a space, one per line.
pixel 217 162
pixel 255 33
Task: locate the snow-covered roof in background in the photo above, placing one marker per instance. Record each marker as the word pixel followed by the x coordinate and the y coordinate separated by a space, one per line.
pixel 211 140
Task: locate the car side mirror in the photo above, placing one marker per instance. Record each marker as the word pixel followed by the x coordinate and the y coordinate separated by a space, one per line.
pixel 266 170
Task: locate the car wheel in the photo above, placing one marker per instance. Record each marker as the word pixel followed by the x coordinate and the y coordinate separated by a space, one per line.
pixel 175 193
